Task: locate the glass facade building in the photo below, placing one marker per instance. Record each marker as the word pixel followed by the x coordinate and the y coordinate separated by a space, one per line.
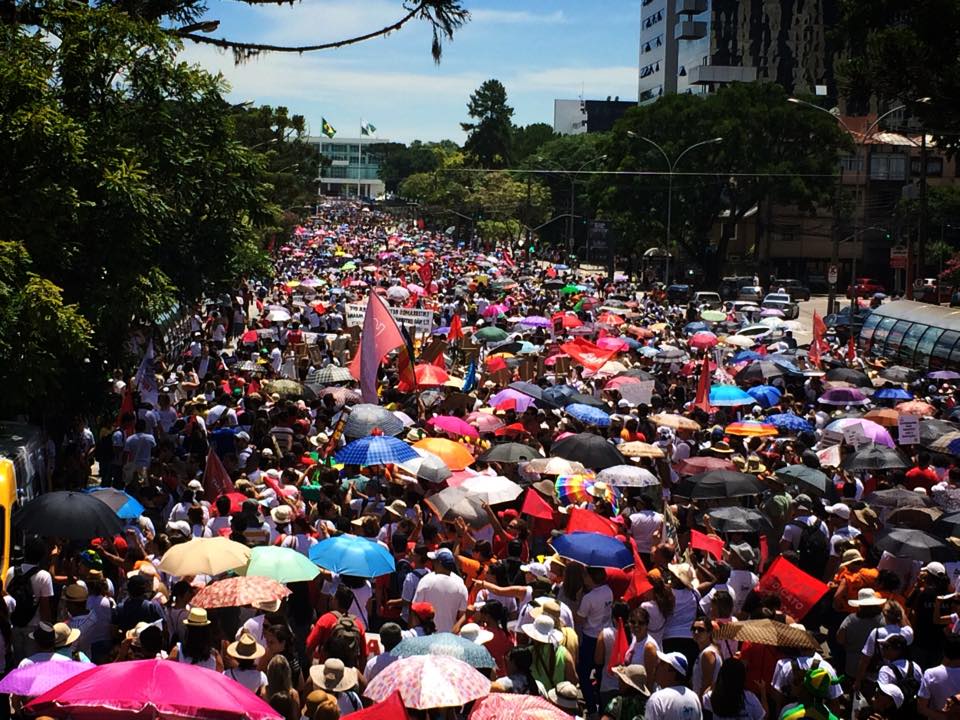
pixel 350 168
pixel 913 334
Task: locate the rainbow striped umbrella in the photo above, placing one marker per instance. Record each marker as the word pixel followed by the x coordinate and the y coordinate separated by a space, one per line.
pixel 572 489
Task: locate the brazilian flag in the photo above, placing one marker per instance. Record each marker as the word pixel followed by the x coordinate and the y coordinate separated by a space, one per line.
pixel 326 128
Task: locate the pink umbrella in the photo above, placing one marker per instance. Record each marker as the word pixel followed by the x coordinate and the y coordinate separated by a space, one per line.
pixel 152 690
pixel 495 309
pixel 38 678
pixel 497 706
pixel 620 381
pixel 429 681
pixel 702 340
pixel 416 289
pixel 485 422
pixel 522 402
pixel 875 432
pixel 453 425
pixel 613 343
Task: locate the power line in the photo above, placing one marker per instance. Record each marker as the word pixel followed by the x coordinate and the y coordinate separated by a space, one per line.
pixel 717 174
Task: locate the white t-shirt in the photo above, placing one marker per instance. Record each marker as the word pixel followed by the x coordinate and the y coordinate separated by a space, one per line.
pixel 643 525
pixel 41 584
pixel 708 598
pixel 595 607
pixel 741 582
pixel 683 615
pixel 140 446
pixel 658 622
pixel 880 633
pixel 793 532
pixel 783 673
pixel 939 684
pixel 252 679
pixel 752 709
pixel 673 703
pixel 841 534
pixel 887 676
pixel 447 594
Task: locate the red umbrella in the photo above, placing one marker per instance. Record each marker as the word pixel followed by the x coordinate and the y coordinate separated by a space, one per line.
pixel 250 336
pixel 236 501
pixel 613 343
pixel 569 320
pixel 620 381
pixel 239 591
pixel 428 375
pixel 485 422
pixel 513 429
pixel 390 709
pixel 609 318
pixel 702 340
pixel 701 464
pixel 453 425
pixel 151 690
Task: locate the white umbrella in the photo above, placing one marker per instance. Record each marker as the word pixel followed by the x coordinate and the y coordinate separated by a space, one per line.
pixel 494 489
pixel 774 323
pixel 398 293
pixel 278 316
pixel 627 476
pixel 554 466
pixel 738 341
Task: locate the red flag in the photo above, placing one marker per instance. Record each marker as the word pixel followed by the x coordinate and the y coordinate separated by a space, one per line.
pixel 587 354
pixel 216 479
pixel 764 552
pixel 496 363
pixel 588 521
pixel 535 506
pixel 508 260
pixel 703 387
pixel 708 543
pixel 379 336
pixel 798 591
pixel 639 584
pixel 127 406
pixel 439 361
pixel 426 275
pixel 456 329
pixel 851 350
pixel 819 327
pixel 618 653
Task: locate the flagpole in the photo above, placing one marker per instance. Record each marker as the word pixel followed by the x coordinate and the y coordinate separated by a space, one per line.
pixel 359 157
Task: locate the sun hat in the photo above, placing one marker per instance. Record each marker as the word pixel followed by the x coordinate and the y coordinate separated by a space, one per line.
pixel 867 597
pixel 75 593
pixel 283 514
pixel 397 507
pixel 538 570
pixel 850 557
pixel 754 465
pixel 333 676
pixel 598 489
pixel 685 573
pixel 803 501
pixel 267 606
pixel 935 568
pixel 565 695
pixel 178 527
pixel 195 485
pixel 868 517
pixel 721 447
pixel 543 629
pixel 633 675
pixel 196 618
pixel 744 552
pixel 246 648
pixel 840 510
pixel 676 660
pixel 476 634
pixel 57 635
pixel 549 606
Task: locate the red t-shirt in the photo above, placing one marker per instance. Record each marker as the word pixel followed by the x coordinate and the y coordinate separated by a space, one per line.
pixel 320 633
pixel 922 477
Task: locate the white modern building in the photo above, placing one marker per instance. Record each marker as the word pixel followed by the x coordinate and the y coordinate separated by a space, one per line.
pixel 353 170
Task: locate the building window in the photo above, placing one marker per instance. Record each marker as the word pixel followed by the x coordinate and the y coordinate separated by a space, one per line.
pixel 888 166
pixel 934 167
pixel 852 163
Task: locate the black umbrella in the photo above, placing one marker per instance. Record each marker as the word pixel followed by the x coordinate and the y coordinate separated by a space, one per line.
pixel 723 484
pixel 876 457
pixel 803 475
pixel 897 497
pixel 856 378
pixel 947 526
pixel 760 371
pixel 931 430
pixel 558 396
pixel 738 519
pixel 914 544
pixel 898 374
pixel 590 450
pixel 554 283
pixel 637 373
pixel 70 515
pixel 528 388
pixel 510 452
pixel 588 400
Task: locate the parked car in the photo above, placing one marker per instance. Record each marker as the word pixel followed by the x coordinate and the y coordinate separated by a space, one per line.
pixel 783 303
pixel 750 293
pixel 730 286
pixel 794 288
pixel 679 294
pixel 865 287
pixel 930 290
pixel 707 300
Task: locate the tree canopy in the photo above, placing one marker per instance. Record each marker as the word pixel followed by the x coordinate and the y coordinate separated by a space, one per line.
pixel 490 136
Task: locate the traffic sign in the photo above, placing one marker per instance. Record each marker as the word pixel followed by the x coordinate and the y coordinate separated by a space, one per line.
pixel 832 275
pixel 898 256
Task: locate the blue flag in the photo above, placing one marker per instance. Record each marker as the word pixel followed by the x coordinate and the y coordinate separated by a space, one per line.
pixel 470 381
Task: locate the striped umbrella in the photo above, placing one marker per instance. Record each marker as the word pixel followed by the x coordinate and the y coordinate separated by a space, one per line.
pixel 572 489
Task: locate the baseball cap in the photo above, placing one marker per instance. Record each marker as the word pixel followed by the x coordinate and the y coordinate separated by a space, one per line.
pixel 840 510
pixel 538 570
pixel 934 568
pixel 894 640
pixel 677 661
pixel 444 556
pixel 803 500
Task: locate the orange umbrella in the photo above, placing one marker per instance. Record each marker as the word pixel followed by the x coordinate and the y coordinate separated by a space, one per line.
pixel 916 407
pixel 456 456
pixel 884 416
pixel 430 375
pixel 609 318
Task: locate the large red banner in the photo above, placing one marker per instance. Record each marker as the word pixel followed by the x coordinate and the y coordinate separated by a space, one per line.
pixel 798 591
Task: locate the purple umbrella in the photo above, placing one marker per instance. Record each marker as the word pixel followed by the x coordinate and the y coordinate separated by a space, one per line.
pixel 536 321
pixel 944 375
pixel 38 678
pixel 843 396
pixel 874 431
pixel 523 401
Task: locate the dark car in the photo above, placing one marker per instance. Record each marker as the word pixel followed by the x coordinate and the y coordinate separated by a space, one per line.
pixel 679 294
pixel 793 288
pixel 865 287
pixel 730 286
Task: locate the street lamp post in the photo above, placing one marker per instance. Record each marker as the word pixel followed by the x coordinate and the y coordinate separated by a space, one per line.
pixel 671 167
pixel 572 176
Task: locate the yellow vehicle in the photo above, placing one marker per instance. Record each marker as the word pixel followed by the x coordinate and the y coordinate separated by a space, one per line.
pixel 8 498
pixel 23 475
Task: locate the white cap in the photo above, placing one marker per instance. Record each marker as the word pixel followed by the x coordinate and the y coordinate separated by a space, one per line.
pixel 840 510
pixel 538 570
pixel 934 568
pixel 893 692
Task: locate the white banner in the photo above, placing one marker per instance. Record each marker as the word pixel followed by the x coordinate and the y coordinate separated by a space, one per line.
pixel 419 320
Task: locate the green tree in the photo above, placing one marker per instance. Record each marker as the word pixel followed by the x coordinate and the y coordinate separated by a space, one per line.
pixel 507 204
pixel 529 139
pixel 399 161
pixel 489 139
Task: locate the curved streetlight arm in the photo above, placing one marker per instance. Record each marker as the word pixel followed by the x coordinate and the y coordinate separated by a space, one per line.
pixel 711 141
pixel 670 165
pixel 798 101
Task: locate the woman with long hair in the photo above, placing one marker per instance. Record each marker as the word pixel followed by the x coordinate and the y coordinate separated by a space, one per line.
pixel 707 665
pixel 659 608
pixel 280 642
pixel 196 648
pixel 643 647
pixel 280 679
pixel 729 699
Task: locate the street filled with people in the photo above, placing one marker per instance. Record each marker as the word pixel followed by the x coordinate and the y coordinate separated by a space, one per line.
pixel 410 477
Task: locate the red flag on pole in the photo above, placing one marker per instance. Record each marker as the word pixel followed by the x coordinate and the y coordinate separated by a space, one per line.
pixel 618 653
pixel 819 329
pixel 426 275
pixel 708 543
pixel 216 479
pixel 587 354
pixel 639 584
pixel 456 329
pixel 587 521
pixel 535 506
pixel 851 349
pixel 703 387
pixel 379 336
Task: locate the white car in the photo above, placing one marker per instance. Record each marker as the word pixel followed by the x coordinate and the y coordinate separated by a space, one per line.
pixel 783 303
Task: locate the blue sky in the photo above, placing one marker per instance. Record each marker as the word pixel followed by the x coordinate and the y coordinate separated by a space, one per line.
pixel 539 50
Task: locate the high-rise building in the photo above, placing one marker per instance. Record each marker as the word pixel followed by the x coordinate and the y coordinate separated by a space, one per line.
pixel 573 117
pixel 698 45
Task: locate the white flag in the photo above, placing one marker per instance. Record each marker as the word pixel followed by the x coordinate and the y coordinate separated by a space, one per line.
pixel 146 378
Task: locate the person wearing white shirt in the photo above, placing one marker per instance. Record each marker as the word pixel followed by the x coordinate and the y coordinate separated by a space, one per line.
pixel 646 526
pixel 674 700
pixel 593 615
pixel 942 682
pixel 793 532
pixel 783 673
pixel 444 590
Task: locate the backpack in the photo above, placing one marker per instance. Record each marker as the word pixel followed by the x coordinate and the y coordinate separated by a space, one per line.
pixel 344 642
pixel 813 548
pixel 21 590
pixel 909 686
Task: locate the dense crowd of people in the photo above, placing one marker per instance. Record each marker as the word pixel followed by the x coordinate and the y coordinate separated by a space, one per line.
pixel 615 507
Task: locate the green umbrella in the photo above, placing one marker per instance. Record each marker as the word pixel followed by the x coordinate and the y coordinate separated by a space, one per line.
pixel 569 289
pixel 349 266
pixel 713 316
pixel 285 565
pixel 491 334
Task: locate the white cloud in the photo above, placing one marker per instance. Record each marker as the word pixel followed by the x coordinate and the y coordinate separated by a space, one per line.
pixel 513 17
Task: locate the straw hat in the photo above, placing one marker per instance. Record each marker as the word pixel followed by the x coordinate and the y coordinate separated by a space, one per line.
pixel 565 695
pixel 398 508
pixel 754 465
pixel 633 675
pixel 599 489
pixel 850 557
pixel 543 629
pixel 246 648
pixel 196 618
pixel 333 676
pixel 867 597
pixel 721 448
pixel 685 573
pixel 283 514
pixel 58 635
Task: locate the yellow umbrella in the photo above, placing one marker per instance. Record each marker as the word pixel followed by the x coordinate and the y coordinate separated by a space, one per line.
pixel 637 449
pixel 658 327
pixel 205 556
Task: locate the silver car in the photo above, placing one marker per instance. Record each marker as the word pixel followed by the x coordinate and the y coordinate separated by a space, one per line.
pixel 783 303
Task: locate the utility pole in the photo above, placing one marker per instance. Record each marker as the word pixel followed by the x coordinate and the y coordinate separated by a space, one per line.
pixel 924 212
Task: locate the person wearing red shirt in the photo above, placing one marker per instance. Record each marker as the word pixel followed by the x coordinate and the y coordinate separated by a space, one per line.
pixel 922 475
pixel 320 632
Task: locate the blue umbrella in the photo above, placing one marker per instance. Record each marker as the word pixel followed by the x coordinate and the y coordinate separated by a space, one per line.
pixel 695 327
pixel 789 422
pixel 353 555
pixel 765 395
pixel 634 344
pixel 588 414
pixel 448 644
pixel 729 396
pixel 442 330
pixel 125 506
pixel 747 356
pixel 593 550
pixel 892 394
pixel 559 395
pixel 376 450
